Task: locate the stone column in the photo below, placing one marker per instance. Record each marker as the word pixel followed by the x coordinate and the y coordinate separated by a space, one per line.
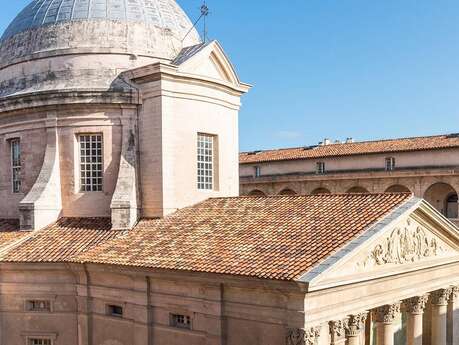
pixel 354 326
pixel 384 317
pixel 338 332
pixel 439 316
pixel 453 317
pixel 415 309
pixel 298 336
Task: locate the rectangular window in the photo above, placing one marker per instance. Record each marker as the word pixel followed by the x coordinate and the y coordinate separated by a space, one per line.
pixel 16 165
pixel 206 150
pixel 320 168
pixel 40 341
pixel 257 171
pixel 38 305
pixel 390 163
pixel 91 162
pixel 115 310
pixel 180 321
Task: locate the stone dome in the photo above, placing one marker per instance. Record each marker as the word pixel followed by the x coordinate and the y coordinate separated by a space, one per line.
pixel 76 44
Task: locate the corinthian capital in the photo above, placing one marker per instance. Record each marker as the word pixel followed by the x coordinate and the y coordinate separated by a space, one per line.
pixel 337 330
pixel 441 297
pixel 416 305
pixel 355 324
pixel 298 336
pixel 387 313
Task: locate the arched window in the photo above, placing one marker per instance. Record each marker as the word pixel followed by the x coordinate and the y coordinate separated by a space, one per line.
pixel 398 188
pixel 444 198
pixel 256 192
pixel 357 190
pixel 287 191
pixel 320 191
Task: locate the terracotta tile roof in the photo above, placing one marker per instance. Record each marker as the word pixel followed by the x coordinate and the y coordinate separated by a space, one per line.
pixel 62 241
pixel 278 237
pixel 357 148
pixel 9 231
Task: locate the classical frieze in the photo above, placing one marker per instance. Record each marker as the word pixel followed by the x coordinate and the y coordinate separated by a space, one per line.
pixel 405 244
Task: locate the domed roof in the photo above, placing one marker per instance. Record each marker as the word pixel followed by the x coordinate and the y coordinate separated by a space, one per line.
pixel 161 13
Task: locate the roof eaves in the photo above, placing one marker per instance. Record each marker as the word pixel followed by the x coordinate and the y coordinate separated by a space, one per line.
pixel 391 218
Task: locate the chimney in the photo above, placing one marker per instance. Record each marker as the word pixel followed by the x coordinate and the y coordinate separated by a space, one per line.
pixel 327 141
pixel 349 141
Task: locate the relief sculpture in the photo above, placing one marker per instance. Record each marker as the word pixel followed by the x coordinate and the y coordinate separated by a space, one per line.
pixel 405 244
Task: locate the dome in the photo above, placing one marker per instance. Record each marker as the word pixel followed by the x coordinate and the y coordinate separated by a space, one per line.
pixel 161 13
pixel 86 44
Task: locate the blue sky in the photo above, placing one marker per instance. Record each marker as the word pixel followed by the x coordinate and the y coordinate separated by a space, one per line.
pixel 335 68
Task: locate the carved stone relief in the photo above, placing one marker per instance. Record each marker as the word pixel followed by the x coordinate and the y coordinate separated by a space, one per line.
pixel 297 336
pixel 405 244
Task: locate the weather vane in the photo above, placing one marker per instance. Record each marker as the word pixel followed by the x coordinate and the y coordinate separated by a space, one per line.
pixel 204 13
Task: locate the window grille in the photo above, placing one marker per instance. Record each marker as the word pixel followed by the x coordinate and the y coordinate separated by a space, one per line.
pixel 91 163
pixel 205 162
pixel 180 321
pixel 38 305
pixel 40 341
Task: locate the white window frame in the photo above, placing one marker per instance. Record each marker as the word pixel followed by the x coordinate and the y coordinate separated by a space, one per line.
pixel 206 167
pixel 16 180
pixel 390 163
pixel 91 166
pixel 320 168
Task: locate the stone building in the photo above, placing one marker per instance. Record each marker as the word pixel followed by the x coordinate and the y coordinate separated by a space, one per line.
pixel 428 167
pixel 120 220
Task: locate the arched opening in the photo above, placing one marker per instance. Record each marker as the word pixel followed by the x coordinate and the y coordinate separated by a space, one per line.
pixel 287 191
pixel 320 191
pixel 398 188
pixel 357 190
pixel 256 192
pixel 444 198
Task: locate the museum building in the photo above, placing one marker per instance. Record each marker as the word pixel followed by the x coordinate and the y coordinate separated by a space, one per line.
pixel 120 216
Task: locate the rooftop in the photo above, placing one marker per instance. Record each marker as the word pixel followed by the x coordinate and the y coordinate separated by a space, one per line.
pixel 354 148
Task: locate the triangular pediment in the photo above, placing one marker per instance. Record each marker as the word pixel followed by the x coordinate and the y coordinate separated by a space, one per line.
pixel 210 61
pixel 418 238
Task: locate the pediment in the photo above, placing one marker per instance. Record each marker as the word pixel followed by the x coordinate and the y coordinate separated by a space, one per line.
pixel 211 62
pixel 415 240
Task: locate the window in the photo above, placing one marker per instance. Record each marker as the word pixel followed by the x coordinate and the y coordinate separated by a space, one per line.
pixel 206 162
pixel 38 305
pixel 40 341
pixel 16 165
pixel 180 321
pixel 257 171
pixel 320 168
pixel 390 163
pixel 91 170
pixel 115 310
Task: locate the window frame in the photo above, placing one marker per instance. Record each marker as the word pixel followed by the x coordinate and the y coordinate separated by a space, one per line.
pixel 30 340
pixel 16 169
pixel 83 186
pixel 110 308
pixel 28 306
pixel 187 323
pixel 390 164
pixel 207 178
pixel 257 169
pixel 320 168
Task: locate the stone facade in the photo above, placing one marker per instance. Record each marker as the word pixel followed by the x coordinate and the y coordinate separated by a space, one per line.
pixel 433 175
